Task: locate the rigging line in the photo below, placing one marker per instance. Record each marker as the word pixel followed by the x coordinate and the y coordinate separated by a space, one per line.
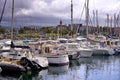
pixel 3 11
pixel 85 6
pixel 117 20
pixel 81 16
pixel 82 11
pixel 90 21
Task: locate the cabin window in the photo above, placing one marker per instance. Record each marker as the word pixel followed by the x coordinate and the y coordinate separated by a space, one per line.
pixel 73 46
pixel 62 48
pixel 70 41
pixel 47 50
pixel 116 43
pixel 62 41
pixel 108 42
pixel 111 43
pixel 55 48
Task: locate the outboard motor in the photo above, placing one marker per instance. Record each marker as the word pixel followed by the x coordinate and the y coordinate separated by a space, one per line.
pixel 12 45
pixel 28 63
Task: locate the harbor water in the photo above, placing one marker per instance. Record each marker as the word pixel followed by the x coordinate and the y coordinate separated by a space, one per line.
pixel 94 68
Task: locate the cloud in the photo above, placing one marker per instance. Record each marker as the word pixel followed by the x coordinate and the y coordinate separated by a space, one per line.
pixel 56 8
pixel 51 11
pixel 106 6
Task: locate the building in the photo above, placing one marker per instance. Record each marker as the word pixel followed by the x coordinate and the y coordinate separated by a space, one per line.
pixel 61 26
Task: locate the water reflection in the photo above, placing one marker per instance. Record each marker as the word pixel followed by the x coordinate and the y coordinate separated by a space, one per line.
pixel 104 68
pixel 40 75
pixel 94 68
pixel 34 75
pixel 57 70
pixel 79 69
pixel 77 63
pixel 9 76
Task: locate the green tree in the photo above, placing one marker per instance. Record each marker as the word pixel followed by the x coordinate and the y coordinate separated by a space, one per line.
pixel 14 30
pixel 21 31
pixel 27 28
pixel 64 32
pixel 72 32
pixel 46 29
pixel 55 31
pixel 2 30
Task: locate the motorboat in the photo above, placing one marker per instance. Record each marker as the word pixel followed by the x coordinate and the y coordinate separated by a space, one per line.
pixel 25 56
pixel 55 55
pixel 8 66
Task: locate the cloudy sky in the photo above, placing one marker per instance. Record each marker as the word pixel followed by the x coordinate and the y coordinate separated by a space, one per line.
pixel 49 12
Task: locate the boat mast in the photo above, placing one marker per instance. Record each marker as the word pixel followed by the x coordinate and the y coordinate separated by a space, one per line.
pixel 97 22
pixel 12 20
pixel 114 23
pixel 87 16
pixel 3 11
pixel 58 31
pixel 71 15
pixel 93 18
pixel 108 24
pixel 111 21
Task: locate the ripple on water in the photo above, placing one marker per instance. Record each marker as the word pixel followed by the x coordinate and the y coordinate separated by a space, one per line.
pixel 94 68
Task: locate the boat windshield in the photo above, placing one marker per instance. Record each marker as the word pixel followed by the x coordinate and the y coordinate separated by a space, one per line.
pixel 63 41
pixel 73 46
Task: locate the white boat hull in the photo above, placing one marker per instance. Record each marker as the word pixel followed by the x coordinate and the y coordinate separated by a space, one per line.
pixel 85 53
pixel 42 61
pixel 103 51
pixel 58 60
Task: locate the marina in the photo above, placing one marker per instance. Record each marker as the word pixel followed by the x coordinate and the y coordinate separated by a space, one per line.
pixel 86 50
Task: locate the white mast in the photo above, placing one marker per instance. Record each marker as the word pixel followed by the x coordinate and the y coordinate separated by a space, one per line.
pixel 111 21
pixel 114 19
pixel 93 18
pixel 87 17
pixel 58 32
pixel 108 21
pixel 97 22
pixel 12 20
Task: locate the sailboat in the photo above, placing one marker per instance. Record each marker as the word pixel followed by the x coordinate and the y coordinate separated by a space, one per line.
pixel 18 63
pixel 97 49
pixel 7 65
pixel 84 50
